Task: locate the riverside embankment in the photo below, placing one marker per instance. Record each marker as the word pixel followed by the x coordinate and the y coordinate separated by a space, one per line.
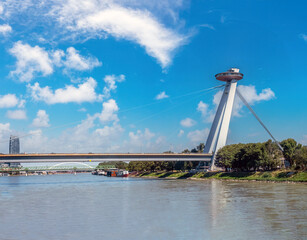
pixel 273 176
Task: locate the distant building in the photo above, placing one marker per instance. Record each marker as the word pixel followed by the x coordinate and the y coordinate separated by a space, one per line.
pixel 14 147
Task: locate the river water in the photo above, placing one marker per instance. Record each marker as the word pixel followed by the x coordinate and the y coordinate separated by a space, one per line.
pixel 88 207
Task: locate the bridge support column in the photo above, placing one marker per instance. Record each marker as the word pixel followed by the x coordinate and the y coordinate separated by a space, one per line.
pixel 219 129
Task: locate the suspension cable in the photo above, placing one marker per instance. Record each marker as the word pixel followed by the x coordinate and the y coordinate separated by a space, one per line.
pixel 255 115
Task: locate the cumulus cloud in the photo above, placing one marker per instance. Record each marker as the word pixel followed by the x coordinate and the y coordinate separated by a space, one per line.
pixel 8 101
pixel 41 120
pixel 198 136
pixel 251 96
pixel 141 141
pixel 108 112
pixel 111 132
pixel 248 92
pixel 110 81
pixel 30 61
pixel 103 18
pixel 5 29
pixel 36 61
pixel 84 92
pixel 16 114
pixel 88 136
pixel 187 122
pixel 161 95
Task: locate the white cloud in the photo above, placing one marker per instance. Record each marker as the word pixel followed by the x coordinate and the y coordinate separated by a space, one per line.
pixel 140 141
pixel 77 62
pixel 304 140
pixel 16 114
pixel 33 61
pixel 251 96
pixel 82 110
pixel 161 95
pixel 207 26
pixel 1 9
pixel 102 18
pixel 108 112
pixel 41 120
pixel 85 92
pixel 8 101
pixel 5 29
pixel 198 136
pixel 30 61
pixel 111 132
pixel 181 132
pixel 248 92
pixel 203 108
pixel 110 81
pixel 187 122
pixel 21 103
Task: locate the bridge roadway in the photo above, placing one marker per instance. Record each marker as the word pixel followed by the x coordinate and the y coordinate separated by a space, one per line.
pixel 102 157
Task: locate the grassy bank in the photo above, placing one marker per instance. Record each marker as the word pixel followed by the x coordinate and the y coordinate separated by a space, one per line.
pixel 280 175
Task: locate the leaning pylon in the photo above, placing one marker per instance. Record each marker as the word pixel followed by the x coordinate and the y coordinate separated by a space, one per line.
pixel 219 129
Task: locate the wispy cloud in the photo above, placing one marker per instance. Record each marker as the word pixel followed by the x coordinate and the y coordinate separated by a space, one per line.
pixel 304 37
pixel 161 95
pixel 206 25
pixel 105 18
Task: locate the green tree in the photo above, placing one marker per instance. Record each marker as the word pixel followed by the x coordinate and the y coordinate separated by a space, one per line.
pixel 300 158
pixel 289 147
pixel 225 157
pixel 274 156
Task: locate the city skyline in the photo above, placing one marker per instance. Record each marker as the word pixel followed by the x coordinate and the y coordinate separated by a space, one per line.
pixel 111 76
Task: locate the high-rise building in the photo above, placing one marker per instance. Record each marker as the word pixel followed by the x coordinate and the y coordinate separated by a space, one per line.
pixel 14 147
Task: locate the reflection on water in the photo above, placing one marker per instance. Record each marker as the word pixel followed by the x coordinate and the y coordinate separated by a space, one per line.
pixel 96 207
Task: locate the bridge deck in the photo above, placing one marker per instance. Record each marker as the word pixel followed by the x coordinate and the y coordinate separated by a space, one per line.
pixel 100 157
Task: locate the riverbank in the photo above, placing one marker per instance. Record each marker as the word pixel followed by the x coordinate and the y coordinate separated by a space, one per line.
pixel 274 176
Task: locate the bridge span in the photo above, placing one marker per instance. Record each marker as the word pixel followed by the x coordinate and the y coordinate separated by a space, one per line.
pixel 102 157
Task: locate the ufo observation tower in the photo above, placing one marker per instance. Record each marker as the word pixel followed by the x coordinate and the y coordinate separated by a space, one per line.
pixel 219 129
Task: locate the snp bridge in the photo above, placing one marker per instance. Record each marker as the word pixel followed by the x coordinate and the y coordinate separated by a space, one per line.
pixel 102 157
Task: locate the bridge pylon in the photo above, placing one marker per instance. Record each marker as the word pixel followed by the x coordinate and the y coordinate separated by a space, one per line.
pixel 219 129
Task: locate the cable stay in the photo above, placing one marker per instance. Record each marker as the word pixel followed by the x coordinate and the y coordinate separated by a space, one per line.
pixel 255 115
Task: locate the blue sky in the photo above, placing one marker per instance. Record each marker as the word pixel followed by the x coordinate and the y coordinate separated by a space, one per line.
pixel 126 76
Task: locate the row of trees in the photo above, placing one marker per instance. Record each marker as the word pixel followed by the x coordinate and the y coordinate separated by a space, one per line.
pixel 239 157
pixel 264 156
pixel 167 166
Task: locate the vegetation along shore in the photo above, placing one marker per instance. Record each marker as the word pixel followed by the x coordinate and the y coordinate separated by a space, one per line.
pixel 251 161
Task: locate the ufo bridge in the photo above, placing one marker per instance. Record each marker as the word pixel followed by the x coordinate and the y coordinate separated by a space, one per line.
pixel 215 141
